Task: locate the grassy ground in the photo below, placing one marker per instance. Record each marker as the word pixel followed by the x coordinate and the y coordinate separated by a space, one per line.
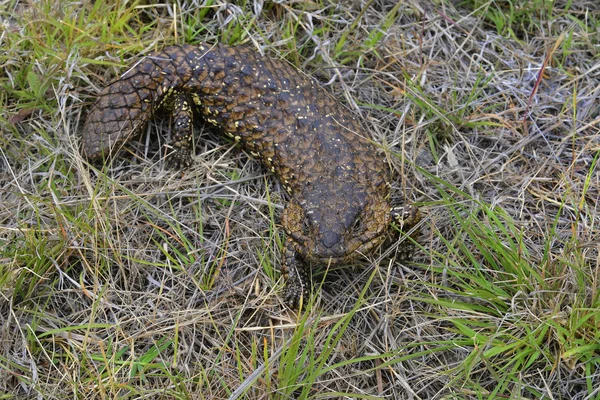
pixel 135 282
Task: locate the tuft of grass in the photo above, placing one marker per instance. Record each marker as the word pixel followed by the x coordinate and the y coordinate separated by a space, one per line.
pixel 513 307
pixel 515 18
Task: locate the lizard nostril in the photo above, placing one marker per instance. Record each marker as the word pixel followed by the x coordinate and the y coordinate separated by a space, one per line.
pixel 330 239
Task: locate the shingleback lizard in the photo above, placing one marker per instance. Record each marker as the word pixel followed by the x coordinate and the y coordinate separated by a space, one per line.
pixel 337 180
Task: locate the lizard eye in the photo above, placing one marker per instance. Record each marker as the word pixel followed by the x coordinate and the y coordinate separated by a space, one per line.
pixel 305 227
pixel 357 227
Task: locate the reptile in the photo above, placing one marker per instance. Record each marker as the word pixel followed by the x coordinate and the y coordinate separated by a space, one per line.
pixel 336 178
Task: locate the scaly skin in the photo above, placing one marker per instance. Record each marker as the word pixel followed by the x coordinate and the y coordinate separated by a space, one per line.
pixel 337 179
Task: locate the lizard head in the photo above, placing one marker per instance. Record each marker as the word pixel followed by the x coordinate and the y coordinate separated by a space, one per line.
pixel 336 229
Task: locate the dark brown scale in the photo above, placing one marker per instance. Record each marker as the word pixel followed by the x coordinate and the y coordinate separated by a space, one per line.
pixel 336 178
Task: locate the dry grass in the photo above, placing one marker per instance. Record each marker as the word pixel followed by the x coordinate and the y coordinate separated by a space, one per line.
pixel 135 282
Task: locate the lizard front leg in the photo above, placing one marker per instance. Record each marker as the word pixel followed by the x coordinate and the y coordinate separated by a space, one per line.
pixel 296 291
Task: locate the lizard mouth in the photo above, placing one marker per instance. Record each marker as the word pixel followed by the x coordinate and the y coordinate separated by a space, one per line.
pixel 339 254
